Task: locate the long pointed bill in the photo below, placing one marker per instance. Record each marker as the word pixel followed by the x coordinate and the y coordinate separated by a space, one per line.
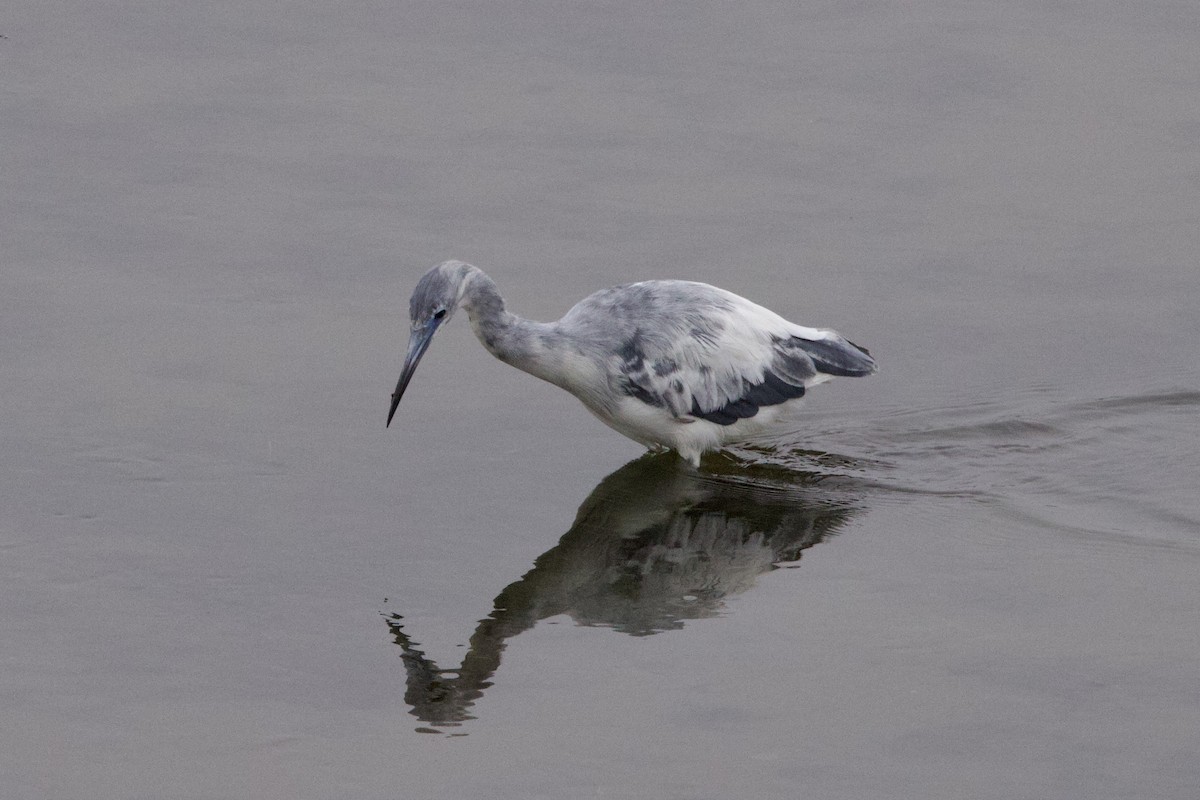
pixel 418 343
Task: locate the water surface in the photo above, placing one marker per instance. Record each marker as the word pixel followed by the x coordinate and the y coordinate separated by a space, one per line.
pixel 971 575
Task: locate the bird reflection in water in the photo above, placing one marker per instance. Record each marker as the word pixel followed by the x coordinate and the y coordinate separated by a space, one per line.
pixel 653 546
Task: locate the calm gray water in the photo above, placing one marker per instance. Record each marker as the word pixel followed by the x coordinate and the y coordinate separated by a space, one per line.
pixel 974 576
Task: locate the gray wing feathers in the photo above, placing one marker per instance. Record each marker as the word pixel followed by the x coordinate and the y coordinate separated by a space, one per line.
pixel 701 352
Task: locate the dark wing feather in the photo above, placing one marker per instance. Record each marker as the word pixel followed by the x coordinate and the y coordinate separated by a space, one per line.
pixel 837 356
pixel 772 391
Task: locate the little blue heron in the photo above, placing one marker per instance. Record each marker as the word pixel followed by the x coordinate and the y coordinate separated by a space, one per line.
pixel 670 364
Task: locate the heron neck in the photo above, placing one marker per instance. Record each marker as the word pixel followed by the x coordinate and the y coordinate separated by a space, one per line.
pixel 512 339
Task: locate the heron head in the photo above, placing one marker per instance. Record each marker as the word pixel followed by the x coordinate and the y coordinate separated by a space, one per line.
pixel 433 303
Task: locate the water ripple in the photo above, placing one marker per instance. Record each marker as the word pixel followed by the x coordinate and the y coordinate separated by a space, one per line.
pixel 1123 466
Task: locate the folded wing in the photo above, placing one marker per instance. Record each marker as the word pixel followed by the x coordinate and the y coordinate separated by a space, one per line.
pixel 726 363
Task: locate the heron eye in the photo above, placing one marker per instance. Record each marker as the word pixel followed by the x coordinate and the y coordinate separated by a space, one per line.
pixel 439 314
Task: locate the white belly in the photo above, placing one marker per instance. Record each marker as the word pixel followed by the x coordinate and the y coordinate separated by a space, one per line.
pixel 656 428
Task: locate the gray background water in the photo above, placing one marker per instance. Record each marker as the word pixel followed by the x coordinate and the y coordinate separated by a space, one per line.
pixel 221 577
